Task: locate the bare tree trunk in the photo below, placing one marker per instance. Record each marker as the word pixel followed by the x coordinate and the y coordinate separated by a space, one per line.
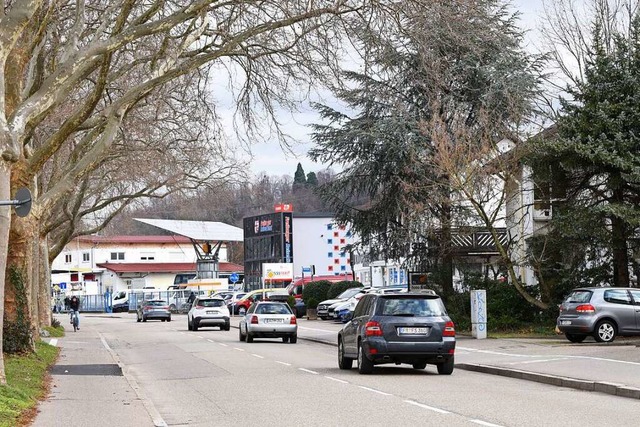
pixel 5 222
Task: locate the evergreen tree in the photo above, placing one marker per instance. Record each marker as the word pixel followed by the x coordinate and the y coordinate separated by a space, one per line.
pixel 312 179
pixel 598 150
pixel 299 176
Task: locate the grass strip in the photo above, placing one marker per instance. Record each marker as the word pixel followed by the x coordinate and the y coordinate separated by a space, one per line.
pixel 26 383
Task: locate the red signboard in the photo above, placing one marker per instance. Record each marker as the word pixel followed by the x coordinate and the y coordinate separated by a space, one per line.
pixel 283 207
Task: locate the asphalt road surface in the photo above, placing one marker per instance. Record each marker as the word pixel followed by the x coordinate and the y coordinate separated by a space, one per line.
pixel 210 378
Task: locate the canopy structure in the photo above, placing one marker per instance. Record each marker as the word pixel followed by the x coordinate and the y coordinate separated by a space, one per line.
pixel 207 238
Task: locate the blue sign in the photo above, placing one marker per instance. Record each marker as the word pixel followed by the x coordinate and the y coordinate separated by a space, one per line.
pixel 306 269
pixel 63 285
pixel 233 278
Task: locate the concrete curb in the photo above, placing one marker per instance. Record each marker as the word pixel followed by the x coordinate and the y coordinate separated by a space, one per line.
pixel 578 384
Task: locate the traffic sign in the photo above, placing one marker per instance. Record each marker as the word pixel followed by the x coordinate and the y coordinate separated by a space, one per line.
pixel 233 278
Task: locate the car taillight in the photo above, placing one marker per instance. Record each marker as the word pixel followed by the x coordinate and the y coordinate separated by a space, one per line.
pixel 373 329
pixel 449 330
pixel 585 308
pixel 165 307
pixel 293 320
pixel 254 319
pixel 147 308
pixel 199 306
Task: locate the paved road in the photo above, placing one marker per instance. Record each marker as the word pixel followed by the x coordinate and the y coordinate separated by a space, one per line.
pixel 119 372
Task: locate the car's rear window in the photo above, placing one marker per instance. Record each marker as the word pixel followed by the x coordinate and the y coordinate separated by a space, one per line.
pixel 156 303
pixel 411 306
pixel 211 302
pixel 273 309
pixel 579 296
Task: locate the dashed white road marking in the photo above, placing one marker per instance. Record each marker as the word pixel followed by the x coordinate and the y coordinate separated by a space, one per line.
pixel 211 340
pixel 283 363
pixel 257 355
pixel 484 423
pixel 223 344
pixel 337 380
pixel 555 356
pixel 199 336
pixel 375 391
pixel 524 362
pixel 431 408
pixel 239 349
pixel 309 371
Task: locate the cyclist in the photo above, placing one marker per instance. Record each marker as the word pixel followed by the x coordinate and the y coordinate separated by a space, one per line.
pixel 74 307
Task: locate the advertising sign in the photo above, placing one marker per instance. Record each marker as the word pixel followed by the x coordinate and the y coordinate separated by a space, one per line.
pixel 287 237
pixel 277 271
pixel 283 207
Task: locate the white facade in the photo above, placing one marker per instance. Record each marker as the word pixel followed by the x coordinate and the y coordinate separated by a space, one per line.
pixel 79 260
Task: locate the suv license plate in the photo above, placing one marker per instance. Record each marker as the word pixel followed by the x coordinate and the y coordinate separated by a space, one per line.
pixel 565 322
pixel 413 331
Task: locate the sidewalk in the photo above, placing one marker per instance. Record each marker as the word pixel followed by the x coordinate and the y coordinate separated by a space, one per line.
pixel 607 368
pixel 86 380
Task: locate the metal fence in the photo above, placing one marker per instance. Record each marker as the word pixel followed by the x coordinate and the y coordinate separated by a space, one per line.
pixel 176 299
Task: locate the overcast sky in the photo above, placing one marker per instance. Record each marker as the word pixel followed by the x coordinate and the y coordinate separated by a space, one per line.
pixel 271 159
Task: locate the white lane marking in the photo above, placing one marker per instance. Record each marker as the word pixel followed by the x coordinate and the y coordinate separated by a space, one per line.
pixel 239 349
pixel 524 362
pixel 316 329
pixel 257 355
pixel 557 356
pixel 431 408
pixel 211 340
pixel 222 344
pixel 283 363
pixel 53 341
pixel 337 380
pixel 157 419
pixel 309 371
pixel 375 391
pixel 484 423
pixel 200 336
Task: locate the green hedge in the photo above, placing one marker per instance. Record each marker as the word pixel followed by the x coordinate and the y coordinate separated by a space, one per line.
pixel 317 290
pixel 339 287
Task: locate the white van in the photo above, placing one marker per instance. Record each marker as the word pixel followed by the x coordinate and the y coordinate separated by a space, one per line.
pixel 120 302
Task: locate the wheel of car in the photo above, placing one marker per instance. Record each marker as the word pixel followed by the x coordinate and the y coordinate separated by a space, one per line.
pixel 343 361
pixel 169 319
pixel 365 366
pixel 172 308
pixel 446 368
pixel 189 326
pixel 241 336
pixel 420 365
pixel 242 311
pixel 144 319
pixel 194 327
pixel 575 337
pixel 285 339
pixel 249 337
pixel 163 320
pixel 293 339
pixel 605 331
pixel 227 327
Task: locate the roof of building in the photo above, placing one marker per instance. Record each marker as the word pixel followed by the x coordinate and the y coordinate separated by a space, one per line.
pixel 166 267
pixel 134 239
pixel 199 230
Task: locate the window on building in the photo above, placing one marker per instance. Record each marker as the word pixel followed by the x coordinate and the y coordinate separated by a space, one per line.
pixel 67 258
pixel 147 256
pixel 85 257
pixel 117 256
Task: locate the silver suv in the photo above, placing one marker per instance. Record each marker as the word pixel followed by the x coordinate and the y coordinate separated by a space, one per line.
pixel 603 313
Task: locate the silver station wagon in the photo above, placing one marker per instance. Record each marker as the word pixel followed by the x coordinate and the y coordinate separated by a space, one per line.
pixel 603 313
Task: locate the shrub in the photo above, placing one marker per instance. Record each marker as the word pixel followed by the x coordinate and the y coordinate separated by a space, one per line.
pixel 292 302
pixel 313 303
pixel 317 290
pixel 339 287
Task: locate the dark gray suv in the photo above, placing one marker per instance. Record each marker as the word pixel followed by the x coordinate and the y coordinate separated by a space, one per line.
pixel 603 313
pixel 411 328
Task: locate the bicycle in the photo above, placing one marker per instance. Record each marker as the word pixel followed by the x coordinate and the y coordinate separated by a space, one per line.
pixel 75 320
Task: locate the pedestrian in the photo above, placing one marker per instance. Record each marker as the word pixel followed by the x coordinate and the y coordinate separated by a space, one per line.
pixel 66 303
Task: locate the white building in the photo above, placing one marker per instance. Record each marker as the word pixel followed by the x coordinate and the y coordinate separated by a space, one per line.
pixel 129 262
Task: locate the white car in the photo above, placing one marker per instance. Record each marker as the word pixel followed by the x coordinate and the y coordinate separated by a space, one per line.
pixel 269 319
pixel 208 311
pixel 323 308
pixel 340 309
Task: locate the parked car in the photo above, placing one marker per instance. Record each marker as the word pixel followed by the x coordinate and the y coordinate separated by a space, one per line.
pixel 323 306
pixel 208 311
pixel 233 298
pixel 603 313
pixel 120 302
pixel 341 311
pixel 154 309
pixel 269 319
pixel 242 305
pixel 411 328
